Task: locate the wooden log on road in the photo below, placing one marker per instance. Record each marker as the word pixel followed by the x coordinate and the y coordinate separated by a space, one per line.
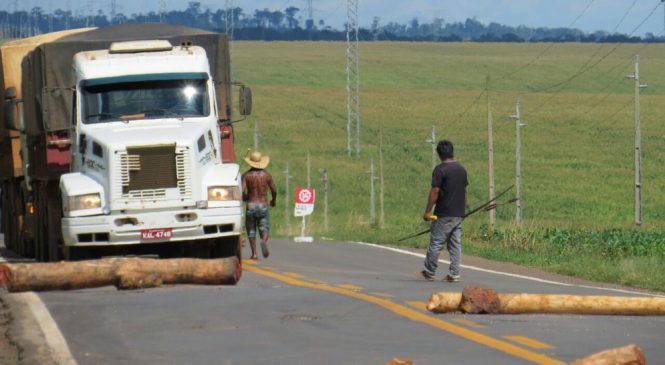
pixel 482 300
pixel 627 355
pixel 124 273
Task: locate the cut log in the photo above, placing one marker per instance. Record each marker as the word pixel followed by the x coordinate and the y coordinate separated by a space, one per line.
pixel 124 273
pixel 627 355
pixel 397 361
pixel 544 303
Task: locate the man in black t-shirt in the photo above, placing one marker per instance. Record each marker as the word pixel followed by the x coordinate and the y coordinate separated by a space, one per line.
pixel 448 192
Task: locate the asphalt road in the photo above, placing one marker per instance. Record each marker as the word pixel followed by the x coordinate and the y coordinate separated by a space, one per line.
pixel 333 303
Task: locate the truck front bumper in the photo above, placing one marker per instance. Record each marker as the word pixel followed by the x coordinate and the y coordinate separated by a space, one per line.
pixel 171 226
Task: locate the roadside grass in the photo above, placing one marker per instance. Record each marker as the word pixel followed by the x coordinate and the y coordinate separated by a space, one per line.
pixel 577 161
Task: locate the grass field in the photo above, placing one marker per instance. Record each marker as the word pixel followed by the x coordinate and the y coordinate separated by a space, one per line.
pixel 577 150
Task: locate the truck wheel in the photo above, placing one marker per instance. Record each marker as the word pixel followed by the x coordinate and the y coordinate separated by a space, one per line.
pixel 54 216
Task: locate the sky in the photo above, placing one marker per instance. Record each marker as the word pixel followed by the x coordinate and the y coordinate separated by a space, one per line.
pixel 599 14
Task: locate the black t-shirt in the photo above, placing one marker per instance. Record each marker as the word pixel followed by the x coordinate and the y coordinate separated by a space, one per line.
pixel 451 179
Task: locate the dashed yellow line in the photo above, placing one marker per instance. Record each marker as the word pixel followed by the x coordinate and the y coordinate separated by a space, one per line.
pixel 469 323
pixel 529 342
pixel 417 316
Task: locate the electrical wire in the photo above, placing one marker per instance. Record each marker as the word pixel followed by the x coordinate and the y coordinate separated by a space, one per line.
pixel 531 62
pixel 550 46
pixel 583 69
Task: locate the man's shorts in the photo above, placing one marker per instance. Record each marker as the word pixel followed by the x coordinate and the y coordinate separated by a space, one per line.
pixel 257 216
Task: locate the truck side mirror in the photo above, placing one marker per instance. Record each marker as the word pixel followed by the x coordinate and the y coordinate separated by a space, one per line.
pixel 245 100
pixel 10 108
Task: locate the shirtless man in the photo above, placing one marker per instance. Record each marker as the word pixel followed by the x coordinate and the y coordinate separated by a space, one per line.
pixel 255 184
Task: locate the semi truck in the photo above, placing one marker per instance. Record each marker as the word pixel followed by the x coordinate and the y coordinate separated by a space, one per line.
pixel 120 140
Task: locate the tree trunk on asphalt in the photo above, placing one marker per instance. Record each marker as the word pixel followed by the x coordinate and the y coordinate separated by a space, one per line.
pixel 124 273
pixel 483 300
pixel 627 355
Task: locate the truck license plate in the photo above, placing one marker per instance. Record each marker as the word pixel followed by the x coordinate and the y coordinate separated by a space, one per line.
pixel 159 234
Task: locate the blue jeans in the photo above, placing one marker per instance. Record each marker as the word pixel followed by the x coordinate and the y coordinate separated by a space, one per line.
pixel 448 231
pixel 256 216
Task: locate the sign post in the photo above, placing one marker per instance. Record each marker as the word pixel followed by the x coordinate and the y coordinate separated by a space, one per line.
pixel 304 206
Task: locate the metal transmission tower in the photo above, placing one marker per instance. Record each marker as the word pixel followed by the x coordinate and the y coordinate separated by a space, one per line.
pixel 90 19
pixel 228 22
pixel 67 13
pixel 638 143
pixel 352 76
pixel 50 16
pixel 162 11
pixel 17 32
pixel 309 24
pixel 228 28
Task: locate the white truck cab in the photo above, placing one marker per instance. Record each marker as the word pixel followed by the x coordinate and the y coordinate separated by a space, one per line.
pixel 146 152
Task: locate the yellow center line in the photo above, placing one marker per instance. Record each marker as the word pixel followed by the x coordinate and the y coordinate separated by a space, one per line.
pixel 416 316
pixel 294 275
pixel 529 342
pixel 379 294
pixel 350 286
pixel 418 305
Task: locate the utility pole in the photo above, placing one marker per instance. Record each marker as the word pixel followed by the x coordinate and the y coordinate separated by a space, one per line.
pixel 382 217
pixel 256 134
pixel 287 201
pixel 324 180
pixel 309 170
pixel 490 153
pixel 372 195
pixel 432 141
pixel 518 160
pixel 638 143
pixel 352 76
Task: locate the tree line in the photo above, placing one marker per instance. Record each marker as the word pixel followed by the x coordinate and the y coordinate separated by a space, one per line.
pixel 290 24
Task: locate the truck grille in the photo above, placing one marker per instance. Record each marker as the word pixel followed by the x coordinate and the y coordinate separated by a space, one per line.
pixel 149 172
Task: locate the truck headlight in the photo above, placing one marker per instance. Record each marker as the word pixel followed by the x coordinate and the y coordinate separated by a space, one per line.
pixel 223 193
pixel 87 201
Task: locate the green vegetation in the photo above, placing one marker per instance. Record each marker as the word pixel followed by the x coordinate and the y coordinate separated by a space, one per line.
pixel 577 160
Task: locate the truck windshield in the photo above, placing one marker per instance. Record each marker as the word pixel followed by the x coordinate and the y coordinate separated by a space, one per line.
pixel 135 97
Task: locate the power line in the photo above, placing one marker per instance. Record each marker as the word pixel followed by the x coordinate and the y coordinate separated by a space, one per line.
pixel 582 71
pixel 352 76
pixel 528 64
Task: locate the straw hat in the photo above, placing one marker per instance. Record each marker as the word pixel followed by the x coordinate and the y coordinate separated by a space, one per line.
pixel 257 161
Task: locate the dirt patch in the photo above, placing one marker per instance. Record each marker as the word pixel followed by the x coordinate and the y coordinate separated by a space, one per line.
pixel 8 350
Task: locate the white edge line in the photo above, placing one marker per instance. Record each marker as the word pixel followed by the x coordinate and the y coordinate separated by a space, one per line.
pixel 508 274
pixel 54 339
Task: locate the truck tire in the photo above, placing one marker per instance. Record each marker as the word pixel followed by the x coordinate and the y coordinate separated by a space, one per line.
pixel 48 234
